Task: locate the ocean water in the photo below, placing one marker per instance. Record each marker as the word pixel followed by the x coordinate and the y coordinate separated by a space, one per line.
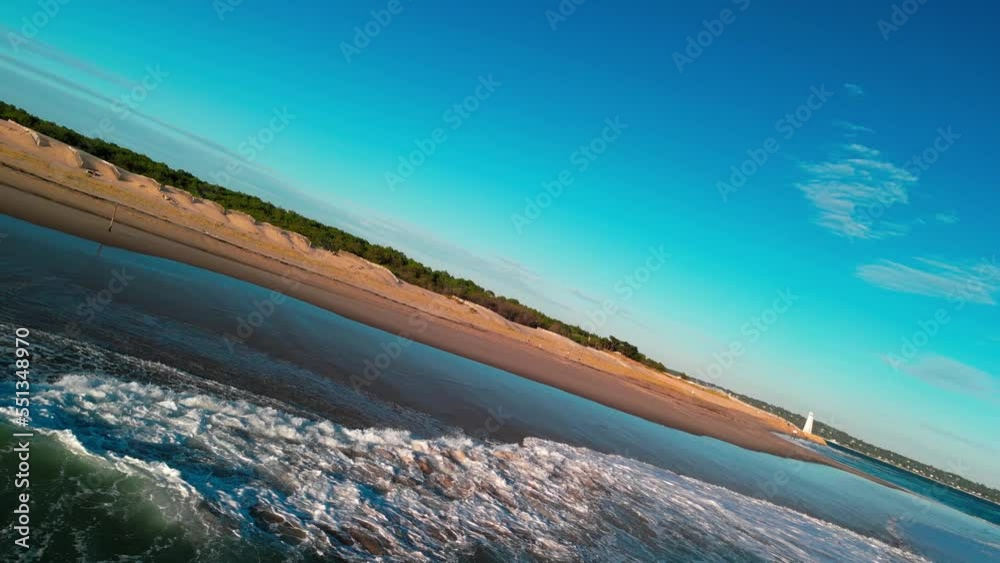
pixel 315 438
pixel 921 486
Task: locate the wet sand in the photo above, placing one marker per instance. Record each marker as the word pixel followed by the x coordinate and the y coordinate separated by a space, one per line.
pixel 63 196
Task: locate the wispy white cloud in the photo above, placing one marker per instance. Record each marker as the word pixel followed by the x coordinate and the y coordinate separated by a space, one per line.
pixel 854 89
pixel 975 282
pixel 595 302
pixel 58 56
pixel 946 218
pixel 864 151
pixel 958 437
pixel 579 294
pixel 152 123
pixel 852 129
pixel 514 268
pixel 949 373
pixel 854 189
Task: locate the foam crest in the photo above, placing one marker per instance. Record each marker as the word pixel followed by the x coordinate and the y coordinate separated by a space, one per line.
pixel 263 471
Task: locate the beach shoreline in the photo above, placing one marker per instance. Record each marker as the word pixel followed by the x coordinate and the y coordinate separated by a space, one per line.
pixel 66 197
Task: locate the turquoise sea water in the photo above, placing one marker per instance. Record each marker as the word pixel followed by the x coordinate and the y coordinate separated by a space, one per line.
pixel 160 440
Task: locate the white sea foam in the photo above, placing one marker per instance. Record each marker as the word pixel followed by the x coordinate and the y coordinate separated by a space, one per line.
pixel 69 441
pixel 267 472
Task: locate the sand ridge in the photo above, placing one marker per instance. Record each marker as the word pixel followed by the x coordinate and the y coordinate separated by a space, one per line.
pixel 196 209
pixel 179 205
pixel 85 173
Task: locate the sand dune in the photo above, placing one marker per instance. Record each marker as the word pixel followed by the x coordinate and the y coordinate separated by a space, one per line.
pixel 72 156
pixel 485 314
pixel 197 209
pixel 209 210
pixel 242 222
pixel 182 197
pixel 276 235
pixel 301 243
pixel 359 266
pixel 92 164
pixel 140 181
pixel 100 166
pixel 37 139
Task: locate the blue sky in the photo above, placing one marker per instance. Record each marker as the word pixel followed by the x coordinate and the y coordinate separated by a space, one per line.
pixel 822 273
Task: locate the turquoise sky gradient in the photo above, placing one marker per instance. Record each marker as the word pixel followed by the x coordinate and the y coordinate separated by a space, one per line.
pixel 868 245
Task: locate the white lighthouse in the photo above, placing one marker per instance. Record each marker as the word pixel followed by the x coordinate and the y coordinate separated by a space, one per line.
pixel 808 427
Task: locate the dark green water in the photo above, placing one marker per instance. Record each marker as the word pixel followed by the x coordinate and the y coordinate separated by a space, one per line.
pixel 78 502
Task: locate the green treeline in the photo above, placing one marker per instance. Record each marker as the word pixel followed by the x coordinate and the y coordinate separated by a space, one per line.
pixel 323 236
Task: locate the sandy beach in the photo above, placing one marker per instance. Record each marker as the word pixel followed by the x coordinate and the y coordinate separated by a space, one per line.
pixel 51 184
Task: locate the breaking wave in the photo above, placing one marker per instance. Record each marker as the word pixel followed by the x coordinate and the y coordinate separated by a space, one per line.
pixel 221 465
